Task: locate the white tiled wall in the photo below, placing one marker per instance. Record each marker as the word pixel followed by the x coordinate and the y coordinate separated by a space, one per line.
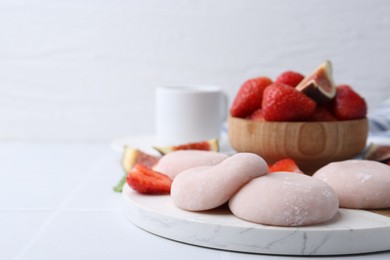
pixel 87 69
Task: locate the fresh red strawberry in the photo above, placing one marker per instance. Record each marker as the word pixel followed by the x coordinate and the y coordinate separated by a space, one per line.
pixel 147 181
pixel 322 114
pixel 290 78
pixel 132 156
pixel 348 104
pixel 284 103
pixel 249 97
pixel 284 165
pixel 257 115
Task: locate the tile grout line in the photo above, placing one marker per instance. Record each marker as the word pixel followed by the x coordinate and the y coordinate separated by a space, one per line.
pixel 57 211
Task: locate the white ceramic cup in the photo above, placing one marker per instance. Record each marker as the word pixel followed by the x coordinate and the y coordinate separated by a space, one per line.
pixel 189 113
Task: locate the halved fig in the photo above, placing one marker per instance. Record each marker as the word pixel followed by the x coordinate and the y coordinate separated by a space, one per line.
pixel 130 158
pixel 319 85
pixel 380 153
pixel 209 145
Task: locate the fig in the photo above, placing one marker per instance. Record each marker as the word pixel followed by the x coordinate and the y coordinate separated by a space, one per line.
pixel 375 152
pixel 209 145
pixel 319 85
pixel 130 158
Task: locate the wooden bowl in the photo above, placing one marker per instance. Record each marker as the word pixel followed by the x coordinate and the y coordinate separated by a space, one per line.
pixel 311 144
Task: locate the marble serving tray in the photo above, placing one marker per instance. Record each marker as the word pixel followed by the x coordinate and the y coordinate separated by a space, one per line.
pixel 350 232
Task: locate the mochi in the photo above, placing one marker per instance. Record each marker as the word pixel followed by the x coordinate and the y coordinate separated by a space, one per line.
pixel 359 184
pixel 285 199
pixel 175 162
pixel 204 188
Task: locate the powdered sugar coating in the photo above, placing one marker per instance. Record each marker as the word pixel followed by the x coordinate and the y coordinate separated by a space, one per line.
pixel 285 199
pixel 360 184
pixel 175 162
pixel 204 188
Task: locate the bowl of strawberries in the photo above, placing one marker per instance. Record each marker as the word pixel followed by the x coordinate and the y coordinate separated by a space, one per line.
pixel 307 119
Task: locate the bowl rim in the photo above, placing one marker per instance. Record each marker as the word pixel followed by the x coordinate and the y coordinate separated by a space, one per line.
pixel 298 122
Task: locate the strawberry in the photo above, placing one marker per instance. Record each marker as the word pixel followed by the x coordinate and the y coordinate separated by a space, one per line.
pixel 249 97
pixel 322 114
pixel 257 115
pixel 284 165
pixel 290 78
pixel 132 156
pixel 147 181
pixel 284 103
pixel 348 104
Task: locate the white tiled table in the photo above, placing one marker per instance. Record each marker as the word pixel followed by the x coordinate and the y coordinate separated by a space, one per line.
pixel 57 202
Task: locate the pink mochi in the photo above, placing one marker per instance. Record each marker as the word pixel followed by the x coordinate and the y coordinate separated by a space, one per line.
pixel 205 188
pixel 175 162
pixel 359 184
pixel 285 199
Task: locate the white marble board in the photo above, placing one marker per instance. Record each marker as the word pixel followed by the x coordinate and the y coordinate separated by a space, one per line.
pixel 350 232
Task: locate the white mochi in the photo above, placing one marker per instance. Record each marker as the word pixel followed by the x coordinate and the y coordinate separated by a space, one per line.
pixel 206 188
pixel 285 199
pixel 175 162
pixel 360 184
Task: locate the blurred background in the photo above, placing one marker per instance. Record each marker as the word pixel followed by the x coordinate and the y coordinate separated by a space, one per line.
pixel 86 70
